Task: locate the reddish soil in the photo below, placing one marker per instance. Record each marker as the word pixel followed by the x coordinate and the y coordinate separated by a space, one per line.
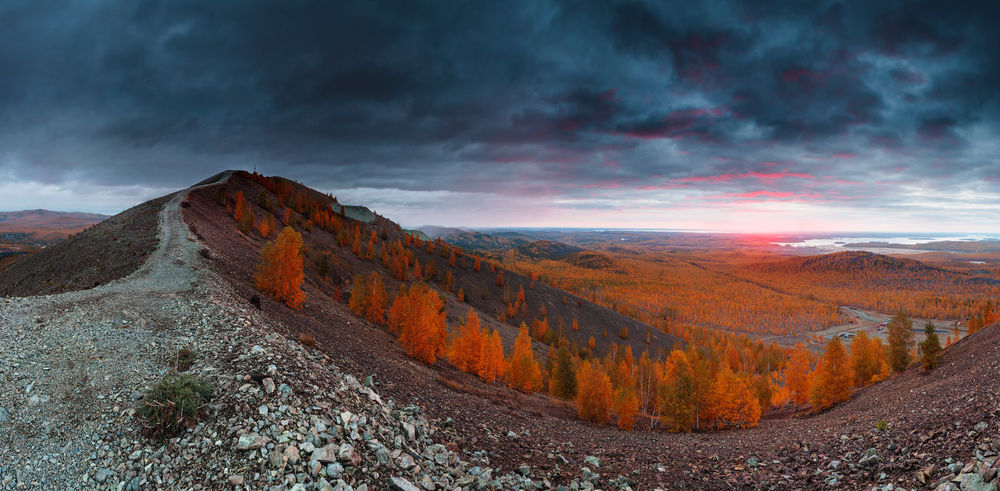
pixel 951 399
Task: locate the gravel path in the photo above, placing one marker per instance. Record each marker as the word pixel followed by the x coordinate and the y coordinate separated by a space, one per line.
pixel 72 362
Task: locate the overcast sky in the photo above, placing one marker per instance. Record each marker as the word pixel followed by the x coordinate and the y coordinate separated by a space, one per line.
pixel 745 116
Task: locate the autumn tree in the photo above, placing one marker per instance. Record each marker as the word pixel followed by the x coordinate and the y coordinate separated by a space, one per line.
pixel 267 226
pixel 734 404
pixel 677 391
pixel 539 327
pixel 359 295
pixel 833 379
pixel 900 341
pixel 376 299
pixel 930 348
pixel 243 214
pixel 522 371
pixel 867 359
pixel 370 250
pixel 593 396
pixel 704 386
pixel 417 315
pixel 626 405
pixel 280 273
pixel 647 386
pixel 797 374
pixel 466 348
pixel 356 245
pixel 491 360
pixel 562 380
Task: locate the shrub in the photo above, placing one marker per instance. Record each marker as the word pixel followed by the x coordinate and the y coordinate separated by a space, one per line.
pixel 184 359
pixel 881 425
pixel 175 403
pixel 307 339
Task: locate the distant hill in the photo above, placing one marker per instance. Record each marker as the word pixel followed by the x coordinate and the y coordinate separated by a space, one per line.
pixel 592 260
pixel 547 249
pixel 849 261
pixel 434 231
pixel 978 246
pixel 44 226
pixel 488 245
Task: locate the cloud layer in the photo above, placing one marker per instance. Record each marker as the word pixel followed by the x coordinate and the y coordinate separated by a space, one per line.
pixel 733 115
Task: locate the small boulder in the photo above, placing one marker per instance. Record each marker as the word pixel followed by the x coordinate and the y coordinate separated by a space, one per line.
pixel 250 441
pixel 292 455
pixel 401 484
pixel 869 458
pixel 405 461
pixel 103 475
pixel 409 430
pixel 325 454
pixel 347 454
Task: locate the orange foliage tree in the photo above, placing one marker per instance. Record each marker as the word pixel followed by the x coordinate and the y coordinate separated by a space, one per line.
pixel 491 362
pixel 797 374
pixel 868 360
pixel 466 349
pixel 832 382
pixel 267 226
pixel 626 406
pixel 281 273
pixel 417 315
pixel 376 299
pixel 522 371
pixel 593 396
pixel 243 214
pixel 734 403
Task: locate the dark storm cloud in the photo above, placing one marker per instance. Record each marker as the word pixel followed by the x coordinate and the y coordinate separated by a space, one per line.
pixel 566 99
